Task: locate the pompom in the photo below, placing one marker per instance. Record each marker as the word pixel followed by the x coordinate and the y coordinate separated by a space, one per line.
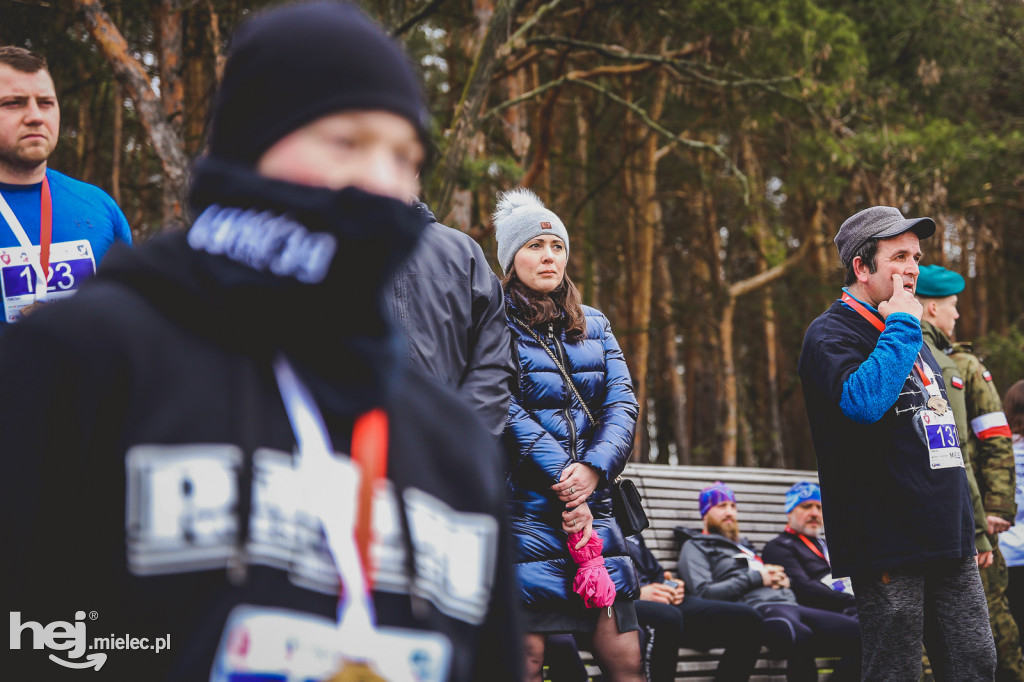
pixel 512 199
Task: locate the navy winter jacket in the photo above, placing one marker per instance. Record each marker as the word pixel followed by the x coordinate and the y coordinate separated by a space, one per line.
pixel 546 431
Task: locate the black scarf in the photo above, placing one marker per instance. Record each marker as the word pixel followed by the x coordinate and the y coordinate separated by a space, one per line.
pixel 271 266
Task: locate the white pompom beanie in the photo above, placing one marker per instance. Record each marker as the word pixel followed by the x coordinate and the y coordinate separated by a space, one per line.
pixel 520 217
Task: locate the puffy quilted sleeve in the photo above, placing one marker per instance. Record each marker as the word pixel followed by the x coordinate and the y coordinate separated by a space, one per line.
pixel 536 459
pixel 609 448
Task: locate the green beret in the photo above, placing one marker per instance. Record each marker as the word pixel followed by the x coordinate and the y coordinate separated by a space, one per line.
pixel 936 281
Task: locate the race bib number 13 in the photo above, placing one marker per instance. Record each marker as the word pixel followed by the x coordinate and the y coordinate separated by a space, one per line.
pixel 71 263
pixel 943 439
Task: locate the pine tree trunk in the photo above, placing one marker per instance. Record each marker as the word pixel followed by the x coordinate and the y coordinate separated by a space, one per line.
pixel 166 141
pixel 673 392
pixel 117 133
pixel 642 263
pixel 169 19
pixel 777 455
pixel 499 17
pixel 730 426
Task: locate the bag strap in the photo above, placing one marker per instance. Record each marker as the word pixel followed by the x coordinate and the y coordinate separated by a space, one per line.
pixel 565 375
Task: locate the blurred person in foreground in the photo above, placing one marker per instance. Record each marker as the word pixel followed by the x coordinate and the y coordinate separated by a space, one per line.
pixel 894 490
pixel 178 461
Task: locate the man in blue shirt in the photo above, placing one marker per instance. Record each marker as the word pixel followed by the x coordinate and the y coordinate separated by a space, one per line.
pixel 893 487
pixel 48 221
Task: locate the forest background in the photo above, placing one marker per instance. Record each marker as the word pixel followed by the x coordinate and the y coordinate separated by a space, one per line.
pixel 702 154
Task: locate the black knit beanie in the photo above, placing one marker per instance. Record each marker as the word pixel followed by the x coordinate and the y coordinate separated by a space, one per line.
pixel 291 65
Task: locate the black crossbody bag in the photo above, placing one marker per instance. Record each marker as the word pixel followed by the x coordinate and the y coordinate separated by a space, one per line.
pixel 627 505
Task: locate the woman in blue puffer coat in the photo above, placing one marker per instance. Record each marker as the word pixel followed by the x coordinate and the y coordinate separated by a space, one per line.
pixel 561 465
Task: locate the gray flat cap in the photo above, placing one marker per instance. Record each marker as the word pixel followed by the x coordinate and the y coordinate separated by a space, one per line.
pixel 877 222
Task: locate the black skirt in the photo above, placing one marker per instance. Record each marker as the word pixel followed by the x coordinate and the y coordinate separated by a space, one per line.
pixel 575 617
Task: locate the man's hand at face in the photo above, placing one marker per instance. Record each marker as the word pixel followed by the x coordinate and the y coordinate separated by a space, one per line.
pixel 901 301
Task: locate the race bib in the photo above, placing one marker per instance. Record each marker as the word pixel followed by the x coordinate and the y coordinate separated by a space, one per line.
pixel 942 438
pixel 837 584
pixel 260 644
pixel 71 263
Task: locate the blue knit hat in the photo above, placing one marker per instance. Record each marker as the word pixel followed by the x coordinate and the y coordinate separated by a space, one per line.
pixel 801 492
pixel 714 495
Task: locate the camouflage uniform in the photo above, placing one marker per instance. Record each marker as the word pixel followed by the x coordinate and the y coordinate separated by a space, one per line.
pixel 933 337
pixel 991 455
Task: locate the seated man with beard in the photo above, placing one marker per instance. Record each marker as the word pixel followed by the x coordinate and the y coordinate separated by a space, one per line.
pixel 804 555
pixel 716 564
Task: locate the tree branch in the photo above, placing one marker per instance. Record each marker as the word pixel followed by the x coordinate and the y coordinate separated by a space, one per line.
pixel 571 76
pixel 765 278
pixel 614 51
pixel 673 59
pixel 517 37
pixel 576 77
pixel 673 138
pixel 429 9
pixel 517 64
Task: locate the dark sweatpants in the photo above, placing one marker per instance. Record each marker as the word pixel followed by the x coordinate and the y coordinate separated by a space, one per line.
pixel 941 604
pixel 699 624
pixel 1015 595
pixel 800 633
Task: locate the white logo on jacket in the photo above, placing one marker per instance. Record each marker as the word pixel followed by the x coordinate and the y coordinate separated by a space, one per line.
pixel 182 516
pixel 264 241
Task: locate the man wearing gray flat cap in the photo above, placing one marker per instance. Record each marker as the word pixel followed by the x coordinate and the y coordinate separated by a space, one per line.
pixel 893 485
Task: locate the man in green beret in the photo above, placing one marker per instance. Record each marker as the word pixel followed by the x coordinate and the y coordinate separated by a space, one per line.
pixel 985 443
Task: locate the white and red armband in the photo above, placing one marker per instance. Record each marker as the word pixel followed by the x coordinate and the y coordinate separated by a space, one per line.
pixel 991 424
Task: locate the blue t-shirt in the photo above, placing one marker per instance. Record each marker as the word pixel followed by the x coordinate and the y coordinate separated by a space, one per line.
pixel 883 504
pixel 80 211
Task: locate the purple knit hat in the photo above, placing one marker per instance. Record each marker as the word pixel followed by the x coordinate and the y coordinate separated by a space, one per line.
pixel 715 494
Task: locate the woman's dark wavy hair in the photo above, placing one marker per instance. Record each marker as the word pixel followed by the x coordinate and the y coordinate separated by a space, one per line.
pixel 564 305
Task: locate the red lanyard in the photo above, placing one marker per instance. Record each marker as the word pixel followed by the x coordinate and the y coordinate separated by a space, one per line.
pixel 919 368
pixel 814 548
pixel 370 452
pixel 864 312
pixel 880 326
pixel 45 228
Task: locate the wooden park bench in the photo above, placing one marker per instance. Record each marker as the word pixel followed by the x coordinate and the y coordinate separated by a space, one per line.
pixel 670 496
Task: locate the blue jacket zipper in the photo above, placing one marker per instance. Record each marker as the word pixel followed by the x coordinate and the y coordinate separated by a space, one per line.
pixel 560 352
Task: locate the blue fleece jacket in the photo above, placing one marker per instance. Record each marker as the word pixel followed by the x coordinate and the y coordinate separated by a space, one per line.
pixel 874 386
